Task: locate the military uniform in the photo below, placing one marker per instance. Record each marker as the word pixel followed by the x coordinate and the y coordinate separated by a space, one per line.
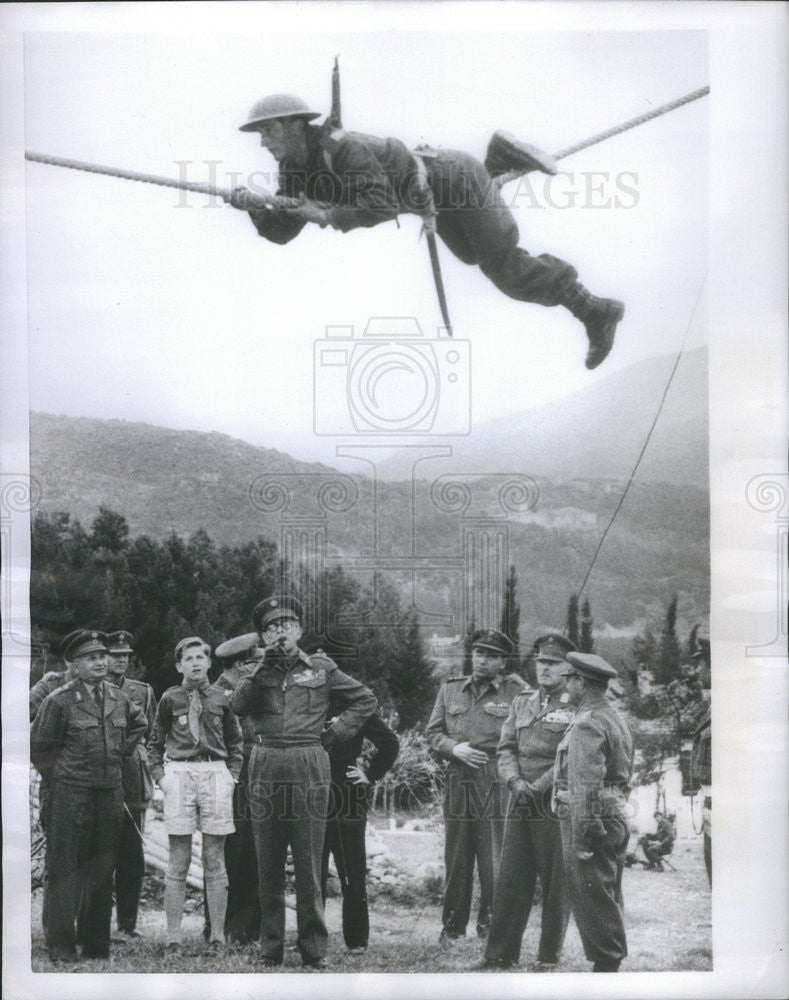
pixel 532 845
pixel 473 796
pixel 287 699
pixel 369 180
pixel 594 765
pixel 242 921
pixel 347 823
pixel 137 795
pixel 80 745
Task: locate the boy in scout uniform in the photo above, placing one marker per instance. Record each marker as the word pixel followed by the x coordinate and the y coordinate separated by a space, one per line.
pixel 532 839
pixel 464 728
pixel 137 789
pixel 195 755
pixel 286 694
pixel 82 736
pixel 594 767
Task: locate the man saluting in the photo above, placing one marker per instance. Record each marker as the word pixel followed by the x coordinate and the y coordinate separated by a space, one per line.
pixel 354 180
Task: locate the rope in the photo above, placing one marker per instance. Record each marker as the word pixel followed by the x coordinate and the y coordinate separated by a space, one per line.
pixel 644 446
pixel 616 130
pixel 277 201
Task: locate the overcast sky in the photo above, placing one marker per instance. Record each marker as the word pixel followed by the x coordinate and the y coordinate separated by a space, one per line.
pixel 184 317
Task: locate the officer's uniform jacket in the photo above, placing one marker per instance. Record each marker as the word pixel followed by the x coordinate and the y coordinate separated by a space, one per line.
pixel 594 766
pixel 288 701
pixel 529 737
pixel 220 733
pixel 76 741
pixel 459 716
pixel 137 781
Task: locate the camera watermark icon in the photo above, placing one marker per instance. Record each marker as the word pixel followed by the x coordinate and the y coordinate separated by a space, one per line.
pixel 393 380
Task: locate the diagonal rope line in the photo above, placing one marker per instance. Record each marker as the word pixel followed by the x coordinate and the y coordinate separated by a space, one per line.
pixel 646 442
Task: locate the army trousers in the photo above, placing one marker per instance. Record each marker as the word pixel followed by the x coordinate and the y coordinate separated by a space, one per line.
pixel 288 796
pixel 595 890
pixel 346 830
pixel 532 848
pixel 83 828
pixel 473 832
pixel 476 225
pixel 129 869
pixel 242 922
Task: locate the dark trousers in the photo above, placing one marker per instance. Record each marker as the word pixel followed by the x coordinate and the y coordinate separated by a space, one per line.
pixel 478 228
pixel 346 830
pixel 595 889
pixel 242 922
pixel 532 847
pixel 288 794
pixel 129 869
pixel 473 831
pixel 83 828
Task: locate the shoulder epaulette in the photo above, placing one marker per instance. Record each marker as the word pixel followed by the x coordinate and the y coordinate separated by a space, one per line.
pixel 454 680
pixel 324 659
pixel 68 686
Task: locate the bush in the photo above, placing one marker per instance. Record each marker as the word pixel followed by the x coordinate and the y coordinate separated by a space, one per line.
pixel 416 779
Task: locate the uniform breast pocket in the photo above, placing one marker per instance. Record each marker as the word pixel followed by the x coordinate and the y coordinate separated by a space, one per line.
pixel 457 719
pixel 316 690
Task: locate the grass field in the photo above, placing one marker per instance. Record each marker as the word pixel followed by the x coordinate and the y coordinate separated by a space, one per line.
pixel 667 919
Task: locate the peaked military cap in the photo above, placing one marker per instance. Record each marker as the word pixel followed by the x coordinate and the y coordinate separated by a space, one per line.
pixel 554 644
pixel 275 608
pixel 191 640
pixel 237 646
pixel 492 639
pixel 120 642
pixel 591 666
pixel 83 641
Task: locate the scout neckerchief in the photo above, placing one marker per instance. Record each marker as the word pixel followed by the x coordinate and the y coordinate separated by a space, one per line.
pixel 195 704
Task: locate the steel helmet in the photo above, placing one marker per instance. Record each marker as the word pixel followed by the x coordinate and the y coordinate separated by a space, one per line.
pixel 277 106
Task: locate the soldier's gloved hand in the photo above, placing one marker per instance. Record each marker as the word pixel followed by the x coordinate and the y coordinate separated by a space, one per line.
pixel 584 855
pixel 466 754
pixel 519 787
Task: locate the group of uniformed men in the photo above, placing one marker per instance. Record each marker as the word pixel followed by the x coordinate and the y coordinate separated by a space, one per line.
pixel 268 758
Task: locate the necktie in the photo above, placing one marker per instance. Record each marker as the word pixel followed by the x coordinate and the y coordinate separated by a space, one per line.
pixel 97 696
pixel 195 711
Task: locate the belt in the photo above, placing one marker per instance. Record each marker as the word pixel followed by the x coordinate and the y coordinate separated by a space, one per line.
pixel 198 758
pixel 265 741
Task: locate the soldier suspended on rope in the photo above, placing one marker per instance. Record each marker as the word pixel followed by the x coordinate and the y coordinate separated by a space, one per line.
pixel 348 180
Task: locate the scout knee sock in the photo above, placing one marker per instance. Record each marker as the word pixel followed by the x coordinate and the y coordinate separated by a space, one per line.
pixel 216 892
pixel 174 899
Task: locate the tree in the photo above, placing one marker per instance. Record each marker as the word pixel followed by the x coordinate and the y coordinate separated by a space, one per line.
pixel 511 618
pixel 572 620
pixel 472 628
pixel 109 531
pixel 667 667
pixel 411 685
pixel 586 639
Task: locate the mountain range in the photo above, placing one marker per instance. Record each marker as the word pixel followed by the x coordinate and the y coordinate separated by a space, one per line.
pixel 574 456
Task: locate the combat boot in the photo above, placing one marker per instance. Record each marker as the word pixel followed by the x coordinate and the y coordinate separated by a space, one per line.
pixel 599 316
